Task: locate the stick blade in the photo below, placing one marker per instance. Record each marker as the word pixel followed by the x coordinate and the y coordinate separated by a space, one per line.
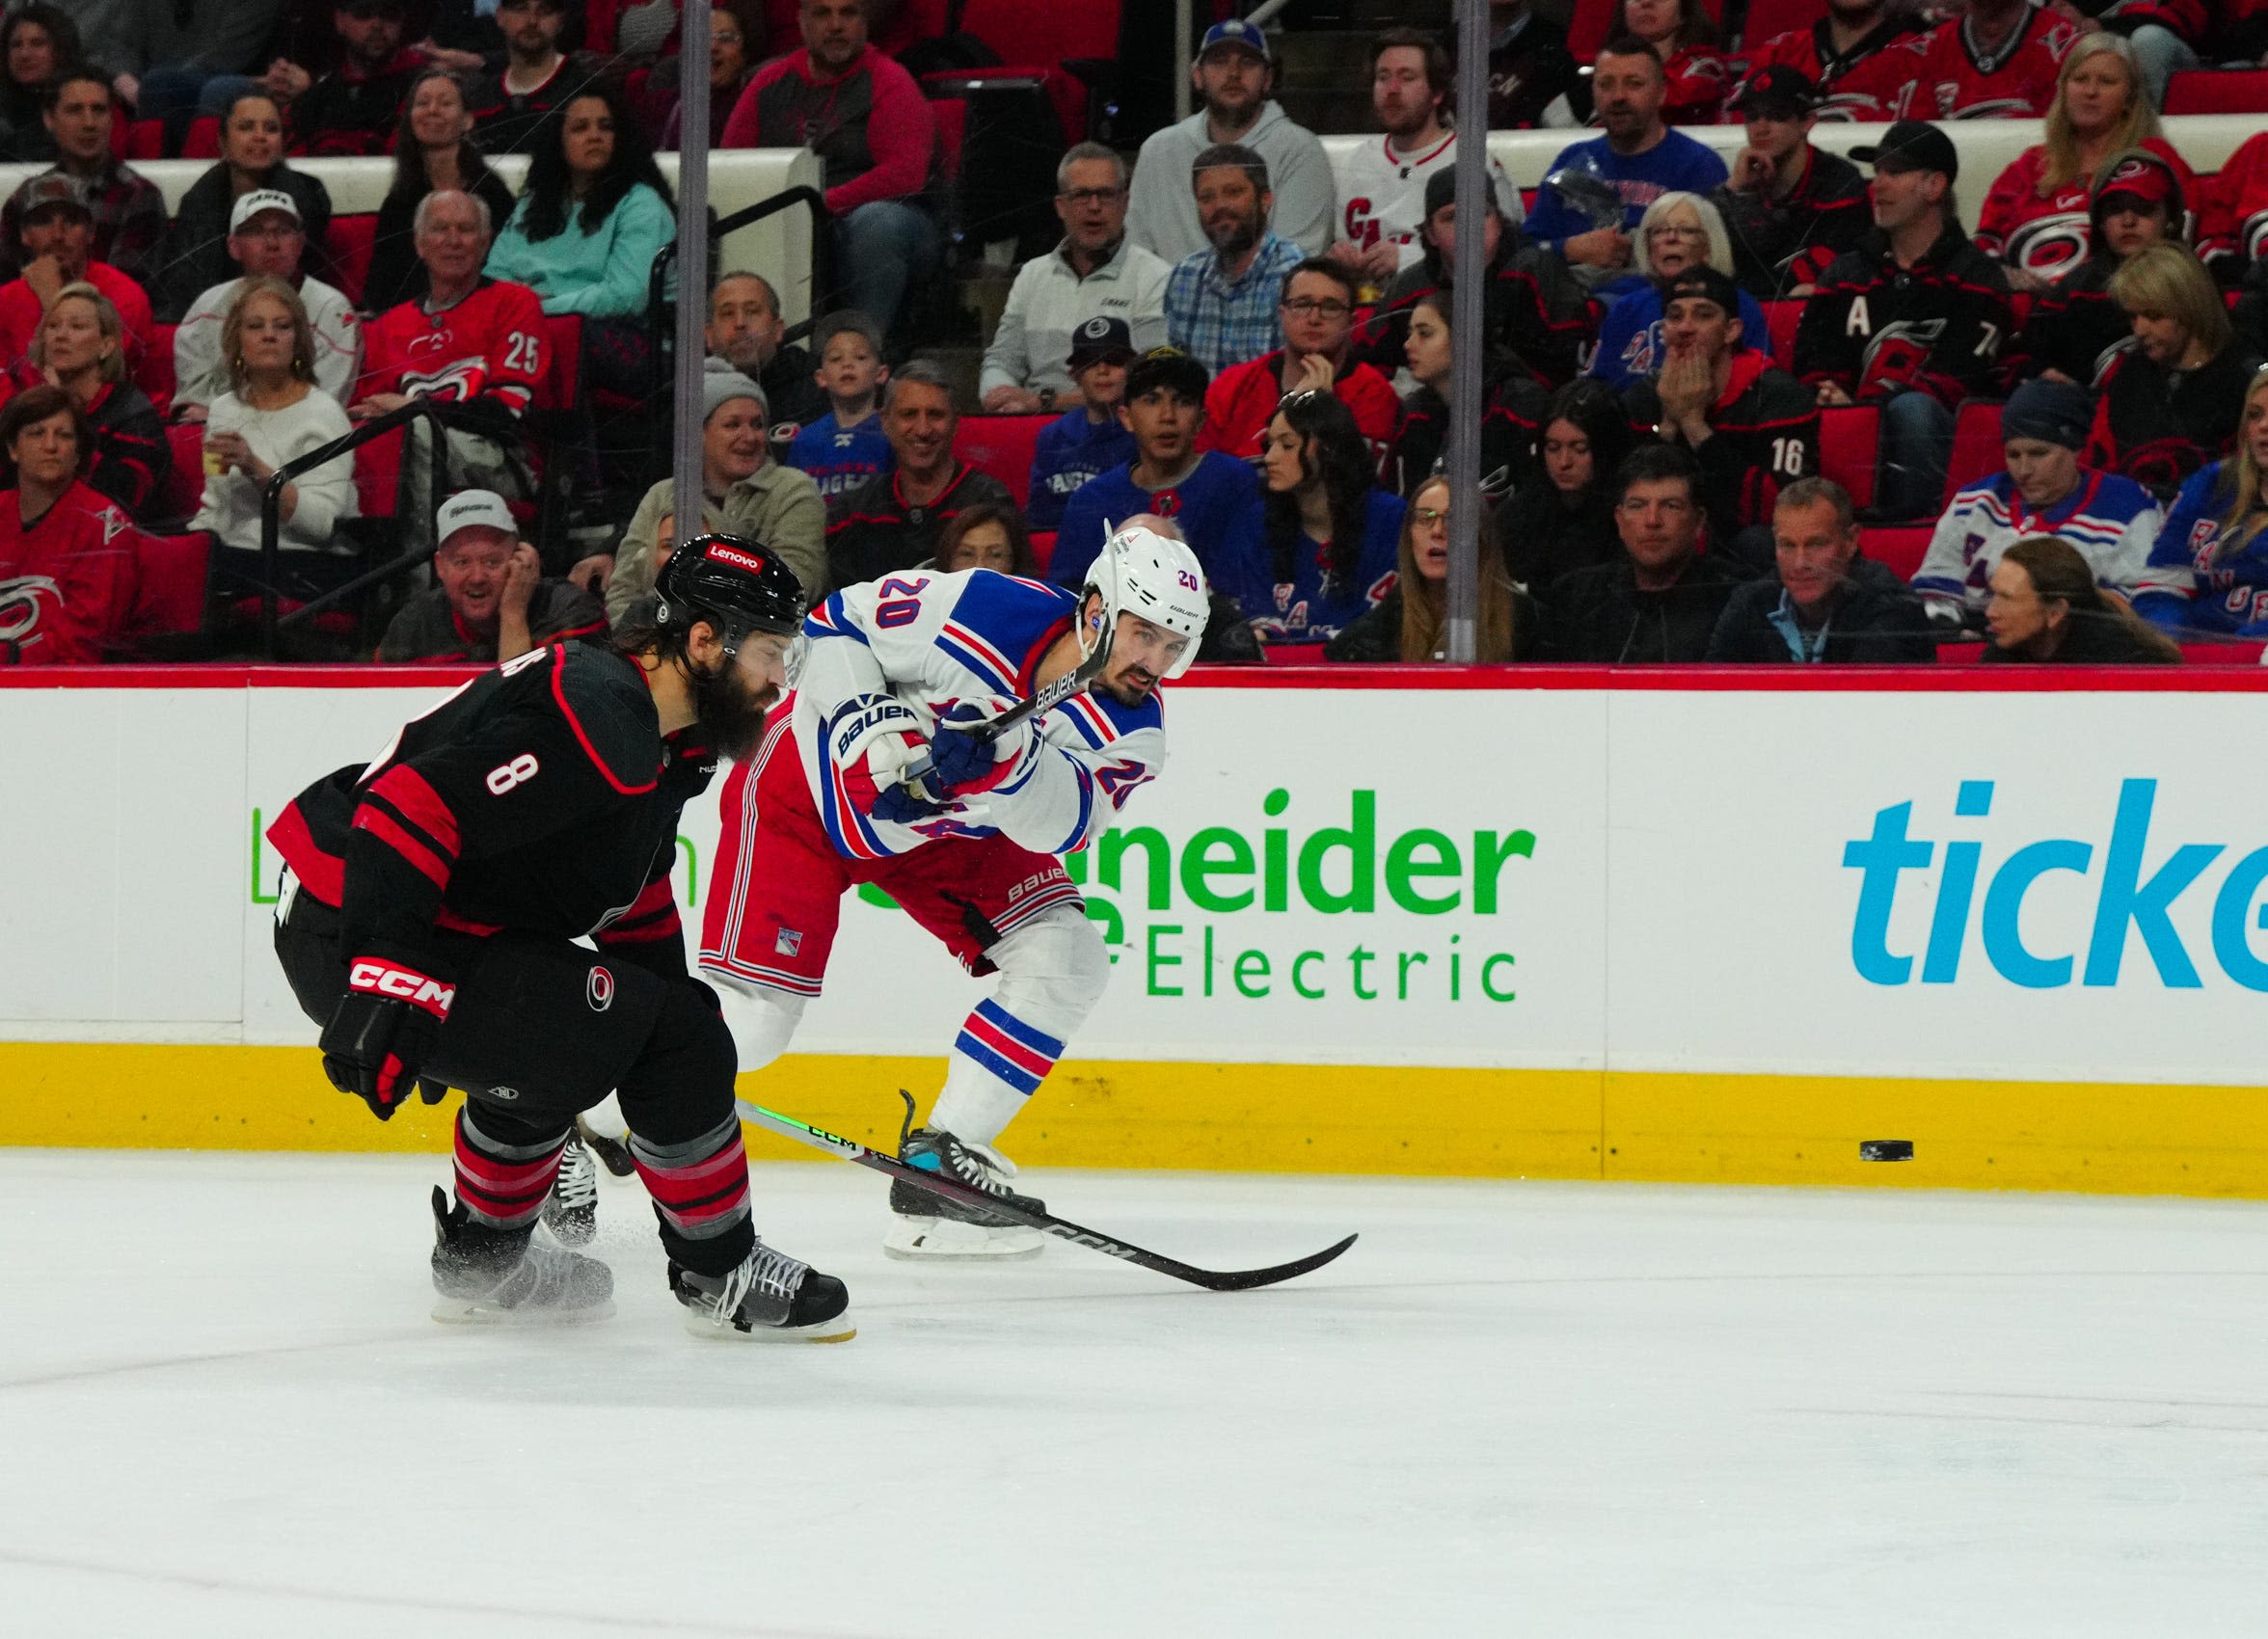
pixel 1245 1279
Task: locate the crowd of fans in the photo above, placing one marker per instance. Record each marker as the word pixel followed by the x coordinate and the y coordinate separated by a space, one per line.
pixel 1230 332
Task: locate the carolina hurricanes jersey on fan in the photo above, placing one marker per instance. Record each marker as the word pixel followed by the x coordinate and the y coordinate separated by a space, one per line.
pixel 67 580
pixel 491 343
pixel 2234 208
pixel 1382 194
pixel 2049 236
pixel 974 635
pixel 1948 77
pixel 1853 89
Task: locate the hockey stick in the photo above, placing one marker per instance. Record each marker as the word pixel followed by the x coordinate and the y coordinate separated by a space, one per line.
pixel 1062 1229
pixel 916 774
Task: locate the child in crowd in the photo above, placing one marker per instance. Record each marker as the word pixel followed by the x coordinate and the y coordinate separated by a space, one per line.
pixel 843 450
pixel 1090 439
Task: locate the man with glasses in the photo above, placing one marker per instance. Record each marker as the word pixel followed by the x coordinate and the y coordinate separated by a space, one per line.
pixel 1317 356
pixel 1220 302
pixel 266 240
pixel 1092 273
pixel 1662 601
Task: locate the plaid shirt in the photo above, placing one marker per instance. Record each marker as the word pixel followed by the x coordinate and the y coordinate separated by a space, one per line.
pixel 129 223
pixel 1220 324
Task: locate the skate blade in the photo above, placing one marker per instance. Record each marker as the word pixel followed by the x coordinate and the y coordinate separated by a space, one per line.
pixel 476 1311
pixel 840 1329
pixel 941 1239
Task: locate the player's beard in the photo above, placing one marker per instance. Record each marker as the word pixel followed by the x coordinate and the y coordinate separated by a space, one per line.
pixel 730 714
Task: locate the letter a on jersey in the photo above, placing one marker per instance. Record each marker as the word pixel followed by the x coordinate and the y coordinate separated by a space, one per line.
pixel 1859 322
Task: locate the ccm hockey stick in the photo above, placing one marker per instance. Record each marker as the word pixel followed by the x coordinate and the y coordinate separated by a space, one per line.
pixel 1062 1229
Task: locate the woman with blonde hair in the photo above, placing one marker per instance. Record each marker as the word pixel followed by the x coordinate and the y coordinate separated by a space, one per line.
pixel 271 416
pixel 2046 608
pixel 2208 573
pixel 1409 623
pixel 1679 231
pixel 2170 403
pixel 81 347
pixel 2036 217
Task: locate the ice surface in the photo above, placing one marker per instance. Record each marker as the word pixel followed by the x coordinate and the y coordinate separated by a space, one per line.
pixel 1549 1410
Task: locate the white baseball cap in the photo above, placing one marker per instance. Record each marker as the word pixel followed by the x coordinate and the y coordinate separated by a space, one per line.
pixel 484 508
pixel 257 201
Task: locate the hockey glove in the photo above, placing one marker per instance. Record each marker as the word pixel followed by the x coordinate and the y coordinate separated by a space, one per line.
pixel 382 1032
pixel 966 765
pixel 874 743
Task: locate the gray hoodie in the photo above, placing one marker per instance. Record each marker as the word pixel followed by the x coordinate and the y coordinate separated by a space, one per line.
pixel 1161 216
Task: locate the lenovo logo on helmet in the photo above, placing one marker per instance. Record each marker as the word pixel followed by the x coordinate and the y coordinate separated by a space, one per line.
pixel 402 985
pixel 718 553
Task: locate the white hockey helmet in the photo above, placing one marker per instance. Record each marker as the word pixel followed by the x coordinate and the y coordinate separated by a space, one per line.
pixel 1145 573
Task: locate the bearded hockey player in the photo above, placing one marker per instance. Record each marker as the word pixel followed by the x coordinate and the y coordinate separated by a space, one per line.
pixel 428 921
pixel 878 769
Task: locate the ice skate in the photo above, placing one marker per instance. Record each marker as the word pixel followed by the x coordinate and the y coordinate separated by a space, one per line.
pixel 571 1211
pixel 498 1276
pixel 770 1298
pixel 613 1153
pixel 932 1226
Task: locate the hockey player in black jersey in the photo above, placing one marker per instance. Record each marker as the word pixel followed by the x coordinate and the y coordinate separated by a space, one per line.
pixel 428 923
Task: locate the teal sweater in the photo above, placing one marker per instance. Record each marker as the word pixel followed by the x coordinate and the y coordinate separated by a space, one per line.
pixel 602 274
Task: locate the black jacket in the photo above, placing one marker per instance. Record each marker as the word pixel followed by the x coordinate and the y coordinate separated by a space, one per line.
pixel 1764 435
pixel 397 275
pixel 1529 68
pixel 1544 539
pixel 878 533
pixel 1780 243
pixel 2093 641
pixel 1869 626
pixel 1876 328
pixel 1376 635
pixel 2074 326
pixel 1508 428
pixel 2157 425
pixel 196 254
pixel 1600 615
pixel 1535 317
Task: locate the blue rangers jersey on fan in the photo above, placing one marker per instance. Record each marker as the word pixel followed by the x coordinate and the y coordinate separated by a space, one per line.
pixel 2112 520
pixel 2188 586
pixel 1070 451
pixel 975 636
pixel 838 459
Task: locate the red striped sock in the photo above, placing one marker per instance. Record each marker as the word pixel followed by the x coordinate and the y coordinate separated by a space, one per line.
pixel 500 1184
pixel 700 1189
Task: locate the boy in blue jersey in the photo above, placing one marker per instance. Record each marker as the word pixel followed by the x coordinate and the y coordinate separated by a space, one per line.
pixel 843 450
pixel 1089 440
pixel 1205 494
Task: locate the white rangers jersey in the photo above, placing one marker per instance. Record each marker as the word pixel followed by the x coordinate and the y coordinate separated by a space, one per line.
pixel 977 636
pixel 1382 193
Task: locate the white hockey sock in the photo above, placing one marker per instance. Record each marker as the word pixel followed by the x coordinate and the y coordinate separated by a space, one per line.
pixel 605 1118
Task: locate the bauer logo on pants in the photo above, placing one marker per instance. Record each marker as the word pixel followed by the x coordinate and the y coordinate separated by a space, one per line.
pixel 600 990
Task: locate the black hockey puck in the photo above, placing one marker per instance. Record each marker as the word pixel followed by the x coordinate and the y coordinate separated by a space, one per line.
pixel 1886 1150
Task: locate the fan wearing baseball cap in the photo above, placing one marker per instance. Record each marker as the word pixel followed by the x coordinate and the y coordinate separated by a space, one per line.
pixel 2136 200
pixel 1912 320
pixel 493 601
pixel 55 236
pixel 1790 207
pixel 1088 441
pixel 267 241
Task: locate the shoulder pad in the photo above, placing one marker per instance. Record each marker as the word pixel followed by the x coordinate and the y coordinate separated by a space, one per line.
pixel 611 712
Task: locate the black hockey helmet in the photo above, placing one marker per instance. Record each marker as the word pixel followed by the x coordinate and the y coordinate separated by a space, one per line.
pixel 733 581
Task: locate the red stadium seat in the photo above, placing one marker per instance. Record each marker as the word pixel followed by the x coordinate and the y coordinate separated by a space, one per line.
pixel 169 590
pixel 183 489
pixel 1781 320
pixel 2218 90
pixel 143 139
pixel 1594 19
pixel 1976 446
pixel 1039 39
pixel 1042 548
pixel 155 376
pixel 1959 653
pixel 1293 653
pixel 1768 18
pixel 2221 654
pixel 1898 547
pixel 1848 438
pixel 951 112
pixel 1001 445
pixel 351 240
pixel 203 141
pixel 562 381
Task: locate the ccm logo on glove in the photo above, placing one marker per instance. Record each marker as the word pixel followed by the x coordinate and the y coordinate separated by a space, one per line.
pixel 403 985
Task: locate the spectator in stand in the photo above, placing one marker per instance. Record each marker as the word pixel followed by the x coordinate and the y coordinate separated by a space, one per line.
pixel 2208 575
pixel 732 65
pixel 128 212
pixel 871 128
pixel 1679 234
pixel 846 447
pixel 744 492
pixel 1093 271
pixel 474 345
pixel 746 334
pixel 1207 495
pixel 1990 60
pixel 175 59
pixel 433 152
pixel 66 555
pixel 1535 317
pixel 1532 74
pixel 273 415
pixel 1408 624
pixel 1317 548
pixel 2043 491
pixel 39 43
pixel 1082 444
pixel 2169 404
pixel 2036 218
pixel 2076 327
pixel 1220 302
pixel 2232 229
pixel 1751 427
pixel 353 109
pixel 515 109
pixel 2048 609
pixel 1512 415
pixel 1382 185
pixel 1826 604
pixel 55 240
pixel 1318 318
pixel 266 241
pixel 493 602
pixel 1639 157
pixel 1566 520
pixel 985 536
pixel 893 522
pixel 1691 52
pixel 1842 54
pixel 1231 75
pixel 2165 35
pixel 592 215
pixel 1912 320
pixel 1789 208
pixel 80 347
pixel 196 254
pixel 1661 599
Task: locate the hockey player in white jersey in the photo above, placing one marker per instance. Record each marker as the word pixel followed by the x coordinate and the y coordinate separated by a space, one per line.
pixel 870 773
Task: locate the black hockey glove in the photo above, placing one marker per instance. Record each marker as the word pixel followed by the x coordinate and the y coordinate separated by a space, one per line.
pixel 382 1032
